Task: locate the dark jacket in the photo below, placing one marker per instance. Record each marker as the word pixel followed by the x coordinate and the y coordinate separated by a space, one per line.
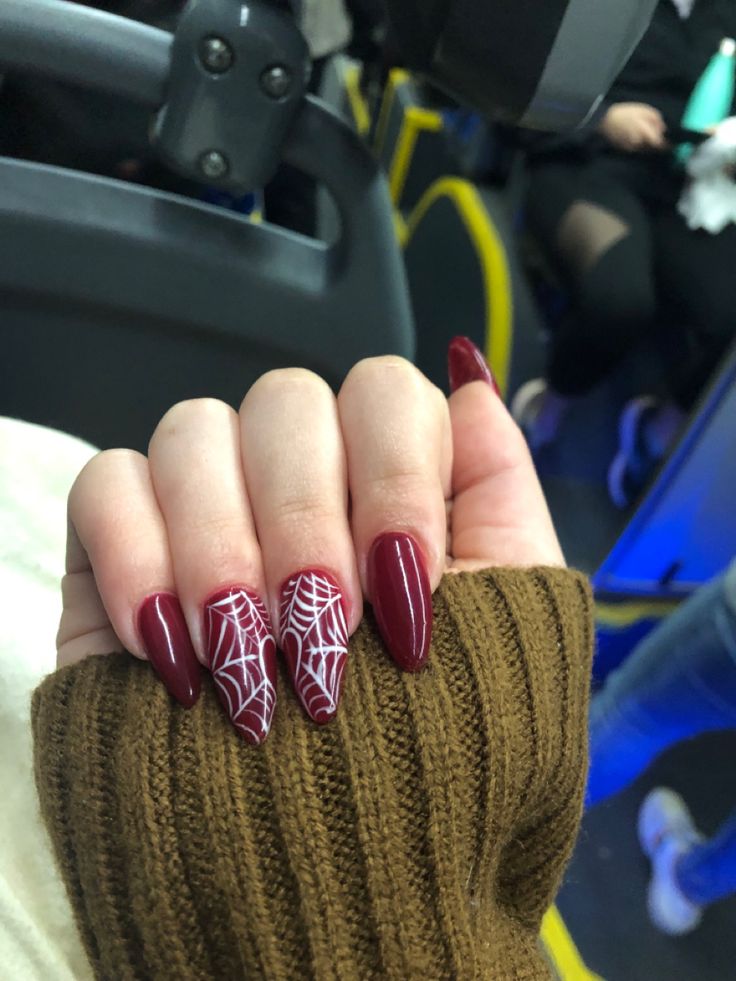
pixel 661 72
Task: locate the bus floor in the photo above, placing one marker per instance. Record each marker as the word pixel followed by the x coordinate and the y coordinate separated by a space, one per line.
pixel 603 899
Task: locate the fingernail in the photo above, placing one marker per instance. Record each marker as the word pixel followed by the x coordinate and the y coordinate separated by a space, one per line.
pixel 401 598
pixel 166 641
pixel 241 653
pixel 314 638
pixel 465 363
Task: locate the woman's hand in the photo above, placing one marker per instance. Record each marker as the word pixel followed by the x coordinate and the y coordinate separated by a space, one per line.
pixel 634 127
pixel 241 530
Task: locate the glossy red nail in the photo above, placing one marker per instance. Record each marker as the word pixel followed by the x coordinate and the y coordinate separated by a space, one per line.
pixel 166 641
pixel 241 652
pixel 314 638
pixel 465 363
pixel 401 598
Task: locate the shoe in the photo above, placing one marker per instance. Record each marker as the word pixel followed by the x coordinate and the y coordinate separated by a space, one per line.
pixel 634 464
pixel 666 833
pixel 530 408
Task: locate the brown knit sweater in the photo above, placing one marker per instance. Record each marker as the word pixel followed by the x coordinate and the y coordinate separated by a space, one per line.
pixel 421 835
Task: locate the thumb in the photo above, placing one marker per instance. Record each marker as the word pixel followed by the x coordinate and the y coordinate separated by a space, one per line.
pixel 499 514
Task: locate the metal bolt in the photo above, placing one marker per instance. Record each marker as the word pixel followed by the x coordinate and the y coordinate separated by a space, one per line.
pixel 213 165
pixel 216 55
pixel 276 81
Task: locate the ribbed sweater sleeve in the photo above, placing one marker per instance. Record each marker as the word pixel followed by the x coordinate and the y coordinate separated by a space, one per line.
pixel 421 835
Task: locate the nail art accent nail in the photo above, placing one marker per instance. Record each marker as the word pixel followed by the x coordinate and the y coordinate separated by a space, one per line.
pixel 401 598
pixel 465 363
pixel 166 641
pixel 314 638
pixel 242 657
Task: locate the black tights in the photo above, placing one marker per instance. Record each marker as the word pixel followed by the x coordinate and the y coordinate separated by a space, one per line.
pixel 633 267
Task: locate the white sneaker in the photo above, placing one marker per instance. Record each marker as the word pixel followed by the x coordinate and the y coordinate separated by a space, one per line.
pixel 666 832
pixel 531 407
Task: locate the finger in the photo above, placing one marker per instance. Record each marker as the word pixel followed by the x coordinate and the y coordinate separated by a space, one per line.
pixel 118 590
pixel 652 113
pixel 197 473
pixel 653 133
pixel 499 514
pixel 397 438
pixel 637 136
pixel 85 627
pixel 296 476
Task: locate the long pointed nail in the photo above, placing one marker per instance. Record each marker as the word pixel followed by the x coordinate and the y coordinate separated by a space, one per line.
pixel 241 651
pixel 465 363
pixel 314 638
pixel 166 640
pixel 401 598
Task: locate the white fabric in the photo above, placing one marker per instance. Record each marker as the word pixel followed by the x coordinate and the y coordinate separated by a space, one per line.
pixel 709 200
pixel 326 25
pixel 684 7
pixel 38 939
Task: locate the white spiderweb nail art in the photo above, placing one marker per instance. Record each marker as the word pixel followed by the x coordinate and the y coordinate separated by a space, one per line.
pixel 314 635
pixel 243 660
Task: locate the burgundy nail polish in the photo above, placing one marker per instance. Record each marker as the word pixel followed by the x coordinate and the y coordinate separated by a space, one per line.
pixel 314 638
pixel 401 598
pixel 465 363
pixel 241 653
pixel 166 641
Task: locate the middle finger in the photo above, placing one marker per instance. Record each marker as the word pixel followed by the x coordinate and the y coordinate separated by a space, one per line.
pixel 295 472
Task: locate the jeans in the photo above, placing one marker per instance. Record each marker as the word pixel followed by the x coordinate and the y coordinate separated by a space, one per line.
pixel 679 682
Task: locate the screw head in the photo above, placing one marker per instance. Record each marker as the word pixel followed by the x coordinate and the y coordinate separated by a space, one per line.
pixel 213 165
pixel 216 55
pixel 276 81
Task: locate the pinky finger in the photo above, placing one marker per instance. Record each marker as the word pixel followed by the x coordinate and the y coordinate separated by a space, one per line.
pixel 119 588
pixel 85 627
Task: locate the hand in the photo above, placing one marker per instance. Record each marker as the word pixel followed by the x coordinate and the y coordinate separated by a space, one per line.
pixel 634 127
pixel 290 513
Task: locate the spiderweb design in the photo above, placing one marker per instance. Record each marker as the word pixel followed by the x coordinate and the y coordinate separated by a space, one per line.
pixel 242 654
pixel 314 636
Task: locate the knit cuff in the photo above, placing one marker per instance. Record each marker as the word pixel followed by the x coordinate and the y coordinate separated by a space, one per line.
pixel 419 835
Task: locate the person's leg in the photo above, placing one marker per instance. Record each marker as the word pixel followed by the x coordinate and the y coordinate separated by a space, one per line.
pixel 666 832
pixel 695 271
pixel 615 305
pixel 707 872
pixel 596 231
pixel 678 682
pixel 688 872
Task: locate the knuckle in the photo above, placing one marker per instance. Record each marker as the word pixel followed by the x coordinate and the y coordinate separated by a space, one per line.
pixel 304 510
pixel 400 482
pixel 215 542
pixel 182 414
pixel 283 381
pixel 365 372
pixel 217 530
pixel 104 464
